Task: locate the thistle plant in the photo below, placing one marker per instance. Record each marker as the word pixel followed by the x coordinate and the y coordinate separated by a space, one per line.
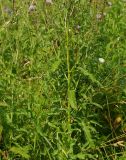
pixel 62 80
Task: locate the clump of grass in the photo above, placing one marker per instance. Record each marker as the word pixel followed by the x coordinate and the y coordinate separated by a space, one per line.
pixel 62 86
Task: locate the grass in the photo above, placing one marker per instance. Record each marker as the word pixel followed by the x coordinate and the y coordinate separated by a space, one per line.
pixel 62 80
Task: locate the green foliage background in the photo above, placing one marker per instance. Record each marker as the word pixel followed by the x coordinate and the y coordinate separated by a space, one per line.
pixel 57 101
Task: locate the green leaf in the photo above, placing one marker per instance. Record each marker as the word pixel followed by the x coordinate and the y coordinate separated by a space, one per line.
pixel 1 129
pixel 82 2
pixel 22 151
pixel 80 156
pixel 87 130
pixel 123 157
pixel 3 104
pixel 96 104
pixel 72 99
pixel 55 65
pixel 89 75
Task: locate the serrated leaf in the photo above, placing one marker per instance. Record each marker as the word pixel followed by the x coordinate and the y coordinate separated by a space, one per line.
pixel 89 75
pixel 3 104
pixel 88 135
pixel 22 151
pixel 52 125
pixel 80 156
pixel 72 99
pixel 55 65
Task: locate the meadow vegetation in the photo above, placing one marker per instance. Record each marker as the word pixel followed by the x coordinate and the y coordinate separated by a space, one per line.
pixel 63 80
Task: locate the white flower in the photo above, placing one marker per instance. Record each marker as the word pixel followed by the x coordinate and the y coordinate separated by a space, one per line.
pixel 99 16
pixel 7 10
pixel 110 4
pixel 104 13
pixel 78 27
pixel 48 1
pixel 118 38
pixel 101 60
pixel 32 7
pixel 69 30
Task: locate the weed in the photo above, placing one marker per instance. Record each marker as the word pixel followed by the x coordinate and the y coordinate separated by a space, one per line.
pixel 63 78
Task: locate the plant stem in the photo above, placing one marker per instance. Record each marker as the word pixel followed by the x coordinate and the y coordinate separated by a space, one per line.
pixel 68 64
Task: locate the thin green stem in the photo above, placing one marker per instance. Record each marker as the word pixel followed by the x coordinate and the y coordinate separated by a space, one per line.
pixel 68 64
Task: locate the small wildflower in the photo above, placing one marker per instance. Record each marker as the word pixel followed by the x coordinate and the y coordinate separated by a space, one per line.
pixel 7 10
pixel 118 39
pixel 99 16
pixel 32 7
pixel 110 4
pixel 69 30
pixel 101 60
pixel 78 27
pixel 48 1
pixel 104 14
